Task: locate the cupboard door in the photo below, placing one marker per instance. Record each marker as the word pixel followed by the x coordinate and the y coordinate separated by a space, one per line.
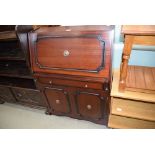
pixel 28 96
pixel 82 53
pixel 6 95
pixel 58 100
pixel 90 105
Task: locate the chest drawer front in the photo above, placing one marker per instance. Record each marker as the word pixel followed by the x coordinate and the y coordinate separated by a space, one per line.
pixel 132 108
pixel 121 122
pixel 28 96
pixel 89 85
pixel 83 53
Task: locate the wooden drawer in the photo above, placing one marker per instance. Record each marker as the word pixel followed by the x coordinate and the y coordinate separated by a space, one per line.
pixel 29 96
pixel 132 108
pixel 83 53
pixel 129 123
pixel 90 85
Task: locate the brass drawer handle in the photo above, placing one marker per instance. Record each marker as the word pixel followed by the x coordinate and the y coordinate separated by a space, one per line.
pixel 86 86
pixel 50 82
pixel 57 101
pixel 89 107
pixel 66 53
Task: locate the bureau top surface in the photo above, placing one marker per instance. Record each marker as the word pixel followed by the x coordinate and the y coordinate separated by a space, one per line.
pixel 71 30
pixel 138 29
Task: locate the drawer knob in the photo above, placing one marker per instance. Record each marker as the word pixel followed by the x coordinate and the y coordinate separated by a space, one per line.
pixel 89 107
pixel 66 53
pixel 57 101
pixel 50 82
pixel 19 95
pixel 86 85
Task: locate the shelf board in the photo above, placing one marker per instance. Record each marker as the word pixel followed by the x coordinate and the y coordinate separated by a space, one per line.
pixel 15 54
pixel 7 35
pixel 17 82
pixel 128 94
pixel 141 79
pixel 14 69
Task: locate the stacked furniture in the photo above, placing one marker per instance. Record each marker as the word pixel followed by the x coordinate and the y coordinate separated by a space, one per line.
pixel 72 69
pixel 16 82
pixel 133 88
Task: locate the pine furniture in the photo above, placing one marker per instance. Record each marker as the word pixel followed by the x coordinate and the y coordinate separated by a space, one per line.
pixel 137 78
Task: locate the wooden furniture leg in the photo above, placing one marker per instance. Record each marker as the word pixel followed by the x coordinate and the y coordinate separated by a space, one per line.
pixel 124 64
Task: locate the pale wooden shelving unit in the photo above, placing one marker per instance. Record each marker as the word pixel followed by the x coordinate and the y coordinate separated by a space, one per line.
pixel 133 87
pixel 130 109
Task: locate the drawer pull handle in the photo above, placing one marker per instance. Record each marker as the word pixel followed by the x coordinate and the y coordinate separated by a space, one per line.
pixel 19 95
pixel 89 107
pixel 119 109
pixel 66 53
pixel 50 82
pixel 57 101
pixel 86 85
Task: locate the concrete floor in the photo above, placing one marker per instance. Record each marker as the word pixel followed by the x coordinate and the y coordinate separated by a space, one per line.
pixel 14 116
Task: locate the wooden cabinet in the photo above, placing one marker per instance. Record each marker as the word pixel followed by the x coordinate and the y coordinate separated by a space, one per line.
pixel 17 84
pixel 72 67
pixel 74 101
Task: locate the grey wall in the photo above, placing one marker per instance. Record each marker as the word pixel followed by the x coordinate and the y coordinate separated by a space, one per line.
pixel 141 55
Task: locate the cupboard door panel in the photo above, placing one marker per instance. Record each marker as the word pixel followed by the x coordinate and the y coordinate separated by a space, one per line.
pixel 58 99
pixel 83 53
pixel 90 105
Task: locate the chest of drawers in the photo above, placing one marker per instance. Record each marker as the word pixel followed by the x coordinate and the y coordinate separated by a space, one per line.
pixel 72 68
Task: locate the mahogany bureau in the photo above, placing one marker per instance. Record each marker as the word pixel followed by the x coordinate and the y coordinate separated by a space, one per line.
pixel 72 69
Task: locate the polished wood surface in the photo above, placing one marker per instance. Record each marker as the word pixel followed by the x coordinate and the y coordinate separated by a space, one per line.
pixel 141 96
pixel 120 122
pixel 133 108
pixel 72 69
pixel 138 29
pixel 142 35
pixel 141 79
pixel 80 52
pixel 58 99
pixel 75 101
pixel 73 83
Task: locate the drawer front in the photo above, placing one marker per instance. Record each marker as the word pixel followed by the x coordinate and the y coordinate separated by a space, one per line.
pixel 121 122
pixel 58 100
pixel 6 95
pixel 90 105
pixel 28 96
pixel 83 53
pixel 55 81
pixel 132 108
